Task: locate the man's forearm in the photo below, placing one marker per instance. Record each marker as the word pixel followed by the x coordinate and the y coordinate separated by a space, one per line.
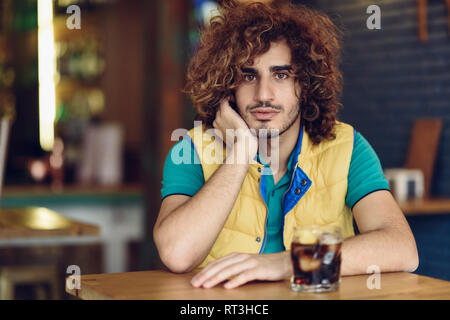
pixel 189 231
pixel 387 249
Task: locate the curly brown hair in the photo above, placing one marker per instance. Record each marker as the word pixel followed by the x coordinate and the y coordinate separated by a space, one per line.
pixel 243 31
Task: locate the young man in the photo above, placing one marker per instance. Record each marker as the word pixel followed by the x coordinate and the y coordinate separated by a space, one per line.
pixel 261 67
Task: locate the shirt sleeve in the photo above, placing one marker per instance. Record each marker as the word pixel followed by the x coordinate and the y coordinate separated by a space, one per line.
pixel 365 173
pixel 183 172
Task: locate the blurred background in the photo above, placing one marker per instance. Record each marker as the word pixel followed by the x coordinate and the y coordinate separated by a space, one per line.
pixel 96 91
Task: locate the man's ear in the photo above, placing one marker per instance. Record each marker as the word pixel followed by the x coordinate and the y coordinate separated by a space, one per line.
pixel 232 97
pixel 299 91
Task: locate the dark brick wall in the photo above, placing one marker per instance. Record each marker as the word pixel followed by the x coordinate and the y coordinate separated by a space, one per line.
pixel 391 79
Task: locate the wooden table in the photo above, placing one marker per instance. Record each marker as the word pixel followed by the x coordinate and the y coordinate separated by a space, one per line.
pixel 425 206
pixel 35 222
pixel 162 285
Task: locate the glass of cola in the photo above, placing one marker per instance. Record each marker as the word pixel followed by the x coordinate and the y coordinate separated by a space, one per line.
pixel 316 258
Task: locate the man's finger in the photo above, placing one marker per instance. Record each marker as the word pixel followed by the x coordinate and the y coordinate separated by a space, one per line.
pixel 229 272
pixel 209 266
pixel 241 279
pixel 212 268
pixel 224 104
pixel 218 261
pixel 224 101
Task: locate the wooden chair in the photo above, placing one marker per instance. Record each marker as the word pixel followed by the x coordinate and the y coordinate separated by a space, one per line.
pixel 423 148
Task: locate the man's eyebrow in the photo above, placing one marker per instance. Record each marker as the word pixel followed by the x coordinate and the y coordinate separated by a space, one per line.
pixel 285 67
pixel 251 70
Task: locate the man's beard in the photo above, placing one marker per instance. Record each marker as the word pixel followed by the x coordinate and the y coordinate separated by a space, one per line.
pixel 265 131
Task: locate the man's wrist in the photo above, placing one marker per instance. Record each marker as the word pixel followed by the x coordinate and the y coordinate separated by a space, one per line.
pixel 248 144
pixel 288 268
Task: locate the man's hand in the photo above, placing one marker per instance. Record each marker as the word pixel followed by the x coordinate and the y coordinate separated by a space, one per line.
pixel 228 118
pixel 244 268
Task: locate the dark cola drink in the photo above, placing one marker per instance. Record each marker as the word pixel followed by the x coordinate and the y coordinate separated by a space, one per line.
pixel 316 266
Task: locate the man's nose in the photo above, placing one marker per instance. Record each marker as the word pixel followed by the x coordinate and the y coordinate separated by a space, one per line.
pixel 264 90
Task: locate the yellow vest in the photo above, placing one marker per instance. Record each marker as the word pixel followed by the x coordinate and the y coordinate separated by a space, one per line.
pixel 316 194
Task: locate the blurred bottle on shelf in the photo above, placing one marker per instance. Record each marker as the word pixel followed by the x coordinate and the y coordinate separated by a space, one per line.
pixel 7 73
pixel 6 15
pixel 74 116
pixel 102 151
pixel 50 167
pixel 80 60
pixel 56 164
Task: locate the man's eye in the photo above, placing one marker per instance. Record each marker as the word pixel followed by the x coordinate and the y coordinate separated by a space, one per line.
pixel 281 76
pixel 249 77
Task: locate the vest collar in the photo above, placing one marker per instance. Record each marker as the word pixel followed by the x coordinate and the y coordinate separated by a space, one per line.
pixel 293 158
pixel 298 147
pixel 300 182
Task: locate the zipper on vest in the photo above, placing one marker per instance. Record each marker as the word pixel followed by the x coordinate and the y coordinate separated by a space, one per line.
pixel 284 196
pixel 265 230
pixel 290 185
pixel 263 245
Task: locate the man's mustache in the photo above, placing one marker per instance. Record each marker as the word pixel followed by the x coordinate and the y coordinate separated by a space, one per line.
pixel 264 105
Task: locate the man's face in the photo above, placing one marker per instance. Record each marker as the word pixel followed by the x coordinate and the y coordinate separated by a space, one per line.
pixel 268 97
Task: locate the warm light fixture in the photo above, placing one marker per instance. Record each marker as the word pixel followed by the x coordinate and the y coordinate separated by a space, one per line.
pixel 47 68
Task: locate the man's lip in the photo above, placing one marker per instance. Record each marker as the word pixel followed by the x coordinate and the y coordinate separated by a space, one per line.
pixel 264 110
pixel 264 113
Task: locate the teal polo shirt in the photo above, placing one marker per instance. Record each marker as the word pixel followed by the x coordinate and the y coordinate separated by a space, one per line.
pixel 365 176
pixel 274 197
